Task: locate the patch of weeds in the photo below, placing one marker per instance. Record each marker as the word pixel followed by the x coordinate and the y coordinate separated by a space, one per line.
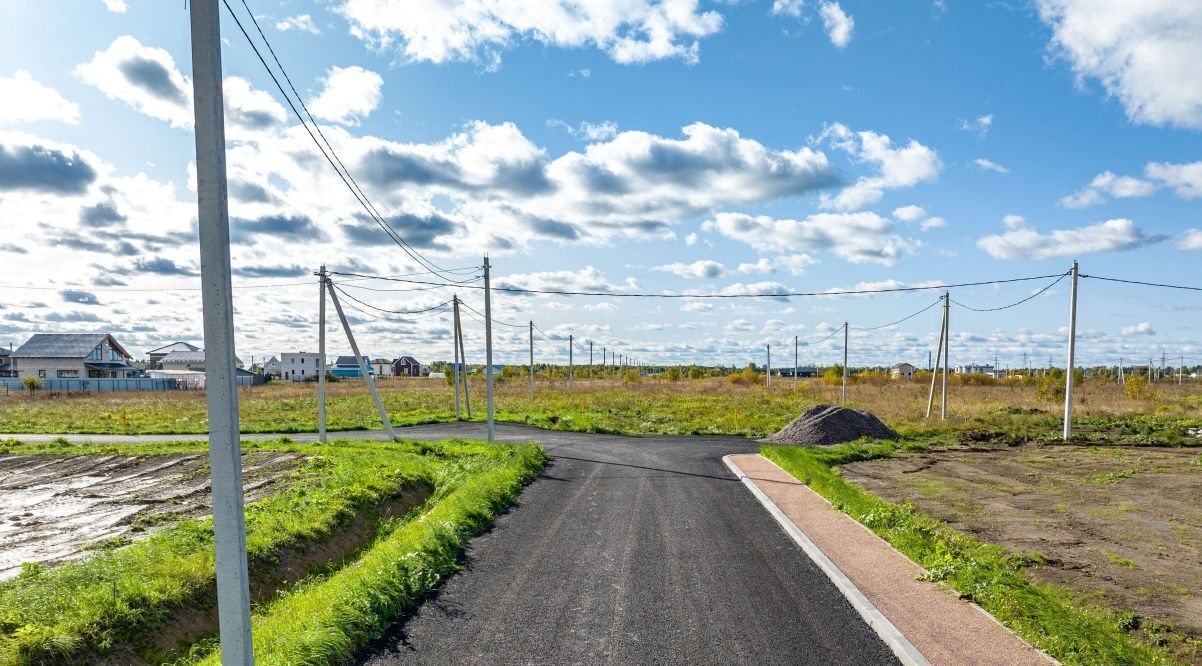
pixel 1109 478
pixel 1122 562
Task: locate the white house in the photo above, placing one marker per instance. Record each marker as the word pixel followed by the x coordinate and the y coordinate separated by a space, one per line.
pixel 902 371
pixel 154 357
pixel 973 369
pixel 299 366
pixel 72 356
pixel 273 367
pixel 381 367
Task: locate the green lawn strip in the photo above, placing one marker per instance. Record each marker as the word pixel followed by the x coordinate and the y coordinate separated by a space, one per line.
pixel 66 612
pixel 327 618
pixel 1051 618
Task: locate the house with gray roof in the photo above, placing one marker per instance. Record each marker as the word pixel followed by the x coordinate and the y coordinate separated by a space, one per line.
pixel 154 357
pixel 72 356
pixel 188 360
pixel 6 366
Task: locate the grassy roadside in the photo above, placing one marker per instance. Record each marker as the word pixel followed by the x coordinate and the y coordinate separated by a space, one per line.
pixel 116 598
pixel 1051 618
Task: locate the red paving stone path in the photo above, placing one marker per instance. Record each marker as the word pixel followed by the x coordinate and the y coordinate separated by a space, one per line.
pixel 945 629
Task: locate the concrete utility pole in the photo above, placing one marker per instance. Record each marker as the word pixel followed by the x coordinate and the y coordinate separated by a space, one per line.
pixel 492 427
pixel 532 359
pixel 1181 370
pixel 321 355
pixel 935 368
pixel 845 361
pixel 467 385
pixel 363 365
pixel 455 354
pixel 217 302
pixel 768 375
pixel 590 362
pixel 947 343
pixel 1122 372
pixel 571 369
pixel 1072 357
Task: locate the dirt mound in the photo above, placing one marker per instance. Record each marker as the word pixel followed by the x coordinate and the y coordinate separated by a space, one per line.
pixel 829 424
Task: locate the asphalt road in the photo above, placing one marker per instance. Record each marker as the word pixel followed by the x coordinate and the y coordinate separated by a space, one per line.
pixel 626 550
pixel 631 550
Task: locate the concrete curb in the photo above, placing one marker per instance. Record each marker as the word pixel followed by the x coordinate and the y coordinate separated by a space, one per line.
pixel 906 653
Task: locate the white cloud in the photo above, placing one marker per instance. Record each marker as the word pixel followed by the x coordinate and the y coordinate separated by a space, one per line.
pixel 796 264
pixel 1146 54
pixel 349 95
pixel 635 31
pixel 1013 222
pixel 302 22
pixel 1121 187
pixel 143 77
pixel 116 6
pixel 702 268
pixel 1027 243
pixel 1142 328
pixel 24 100
pixel 986 164
pixel 697 306
pixel 588 278
pixel 761 266
pixel 1190 240
pixel 690 239
pixel 980 124
pixel 788 8
pixel 857 237
pixel 586 131
pixel 837 23
pixel 933 223
pixel 909 213
pixel 1185 179
pixel 899 167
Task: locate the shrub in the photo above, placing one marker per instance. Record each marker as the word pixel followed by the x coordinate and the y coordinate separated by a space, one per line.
pixel 1137 388
pixel 32 383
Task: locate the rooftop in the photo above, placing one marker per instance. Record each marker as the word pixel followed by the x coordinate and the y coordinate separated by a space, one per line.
pixel 65 345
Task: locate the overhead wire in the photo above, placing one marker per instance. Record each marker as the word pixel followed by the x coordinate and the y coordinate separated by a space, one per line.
pixel 332 157
pixel 1016 303
pixel 895 323
pixel 1142 283
pixel 386 310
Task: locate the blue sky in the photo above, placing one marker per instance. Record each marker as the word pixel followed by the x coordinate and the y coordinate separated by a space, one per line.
pixel 684 147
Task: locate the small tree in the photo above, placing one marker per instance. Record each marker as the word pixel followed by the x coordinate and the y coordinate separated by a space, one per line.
pixel 32 383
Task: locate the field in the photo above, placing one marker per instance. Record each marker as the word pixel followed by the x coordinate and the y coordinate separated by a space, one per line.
pixel 708 406
pixel 341 524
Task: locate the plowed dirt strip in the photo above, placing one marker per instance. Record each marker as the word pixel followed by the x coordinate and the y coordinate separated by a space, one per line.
pixel 53 507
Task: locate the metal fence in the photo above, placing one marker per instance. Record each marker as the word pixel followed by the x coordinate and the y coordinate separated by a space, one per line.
pixel 82 385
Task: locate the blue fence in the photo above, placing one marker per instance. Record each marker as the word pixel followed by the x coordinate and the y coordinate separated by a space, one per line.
pixel 81 385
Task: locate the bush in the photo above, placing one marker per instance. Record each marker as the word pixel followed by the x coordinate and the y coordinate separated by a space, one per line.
pixel 1050 387
pixel 1137 388
pixel 32 383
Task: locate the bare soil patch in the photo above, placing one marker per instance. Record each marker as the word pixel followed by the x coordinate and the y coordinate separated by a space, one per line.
pixel 56 507
pixel 1121 525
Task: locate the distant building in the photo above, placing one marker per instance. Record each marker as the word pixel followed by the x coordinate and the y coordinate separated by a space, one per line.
pixel 154 357
pixel 407 366
pixel 273 367
pixel 971 369
pixel 802 371
pixel 381 367
pixel 71 356
pixel 348 367
pixel 902 371
pixel 6 366
pixel 299 366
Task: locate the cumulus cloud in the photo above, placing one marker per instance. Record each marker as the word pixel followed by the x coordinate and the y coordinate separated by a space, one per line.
pixel 986 164
pixel 349 95
pixel 1107 183
pixel 788 7
pixel 43 167
pixel 1190 240
pixel 588 278
pixel 586 131
pixel 909 213
pixel 147 79
pixel 837 23
pixel 24 100
pixel 762 266
pixel 79 296
pixel 857 237
pixel 1142 328
pixel 1184 179
pixel 899 167
pixel 1145 54
pixel 115 6
pixel 980 125
pixel 302 22
pixel 631 32
pixel 1027 243
pixel 702 268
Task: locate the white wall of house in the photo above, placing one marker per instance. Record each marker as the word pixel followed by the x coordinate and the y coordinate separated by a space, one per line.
pixel 51 368
pixel 381 368
pixel 298 366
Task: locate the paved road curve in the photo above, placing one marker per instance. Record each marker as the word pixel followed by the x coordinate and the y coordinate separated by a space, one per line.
pixel 627 550
pixel 631 550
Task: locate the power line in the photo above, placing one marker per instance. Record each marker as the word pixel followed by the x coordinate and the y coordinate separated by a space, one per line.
pixel 895 323
pixel 1145 284
pixel 494 319
pixel 410 320
pixel 335 162
pixel 386 310
pixel 1005 307
pixel 783 294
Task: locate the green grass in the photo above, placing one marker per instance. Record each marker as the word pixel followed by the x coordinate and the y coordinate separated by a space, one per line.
pixel 1051 618
pixel 79 610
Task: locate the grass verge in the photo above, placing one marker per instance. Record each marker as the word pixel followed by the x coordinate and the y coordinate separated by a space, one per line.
pixel 108 604
pixel 1051 618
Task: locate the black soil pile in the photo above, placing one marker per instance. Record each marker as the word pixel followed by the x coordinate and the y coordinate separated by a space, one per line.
pixel 829 424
